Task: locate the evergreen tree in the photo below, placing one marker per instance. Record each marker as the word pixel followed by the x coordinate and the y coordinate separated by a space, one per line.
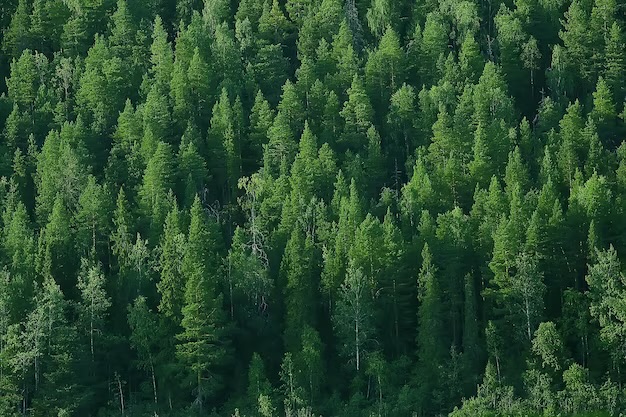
pixel 358 115
pixel 91 219
pixel 171 286
pixel 385 69
pixel 201 345
pixel 261 118
pixel 606 281
pixel 297 268
pixel 430 335
pixel 382 15
pixel 434 46
pixel 158 180
pixel 145 339
pixel 54 257
pixel 615 61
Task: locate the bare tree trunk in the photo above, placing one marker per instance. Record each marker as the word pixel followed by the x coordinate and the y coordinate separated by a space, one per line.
pixel 91 330
pixel 230 287
pixel 527 304
pixel 93 238
pixel 498 366
pixel 395 315
pixel 380 397
pixel 154 387
pixel 356 338
pixel 121 393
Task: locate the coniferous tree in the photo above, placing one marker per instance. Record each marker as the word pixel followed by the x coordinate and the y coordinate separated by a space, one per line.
pixel 430 333
pixel 201 345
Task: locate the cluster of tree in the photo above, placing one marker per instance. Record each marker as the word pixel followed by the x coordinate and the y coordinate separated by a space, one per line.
pixel 312 207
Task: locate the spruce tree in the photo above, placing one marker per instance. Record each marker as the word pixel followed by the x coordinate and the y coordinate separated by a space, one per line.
pixel 201 344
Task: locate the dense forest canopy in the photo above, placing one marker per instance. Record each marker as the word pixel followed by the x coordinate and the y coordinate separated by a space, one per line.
pixel 399 208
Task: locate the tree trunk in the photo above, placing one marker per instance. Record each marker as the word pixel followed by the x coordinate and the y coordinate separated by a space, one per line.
pixel 154 387
pixel 395 316
pixel 121 393
pixel 527 304
pixel 356 339
pixel 380 397
pixel 91 331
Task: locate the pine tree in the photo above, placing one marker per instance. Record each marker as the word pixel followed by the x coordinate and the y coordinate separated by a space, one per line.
pixel 102 85
pixel 20 249
pixel 430 335
pixel 248 279
pixel 291 390
pixel 24 81
pixel 481 166
pixel 171 286
pixel 571 126
pixel 122 223
pixel 51 343
pixel 606 281
pixel 434 46
pixel 312 363
pixel 228 64
pixel 472 63
pixel 578 41
pixel 269 68
pixel 261 118
pixel 55 256
pixel 511 40
pixel 472 347
pixel 385 69
pixel 381 16
pixel 298 10
pixel 157 121
pixel 224 146
pixel 158 180
pixel 516 173
pixel 297 272
pixel 215 12
pixel 145 338
pixel 281 148
pixel 604 113
pixel 180 90
pixel 258 384
pixel 91 218
pixel 185 10
pixel 123 31
pixel 615 62
pixel 273 25
pixel 87 18
pixel 346 59
pixel 291 107
pixel 418 194
pixel 17 36
pixel 358 115
pixel 199 86
pixel 201 344
pixel 162 57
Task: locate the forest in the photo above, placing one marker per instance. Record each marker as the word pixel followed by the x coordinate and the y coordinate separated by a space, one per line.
pixel 305 208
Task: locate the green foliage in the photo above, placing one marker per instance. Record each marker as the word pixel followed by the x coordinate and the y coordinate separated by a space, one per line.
pixel 201 346
pixel 322 207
